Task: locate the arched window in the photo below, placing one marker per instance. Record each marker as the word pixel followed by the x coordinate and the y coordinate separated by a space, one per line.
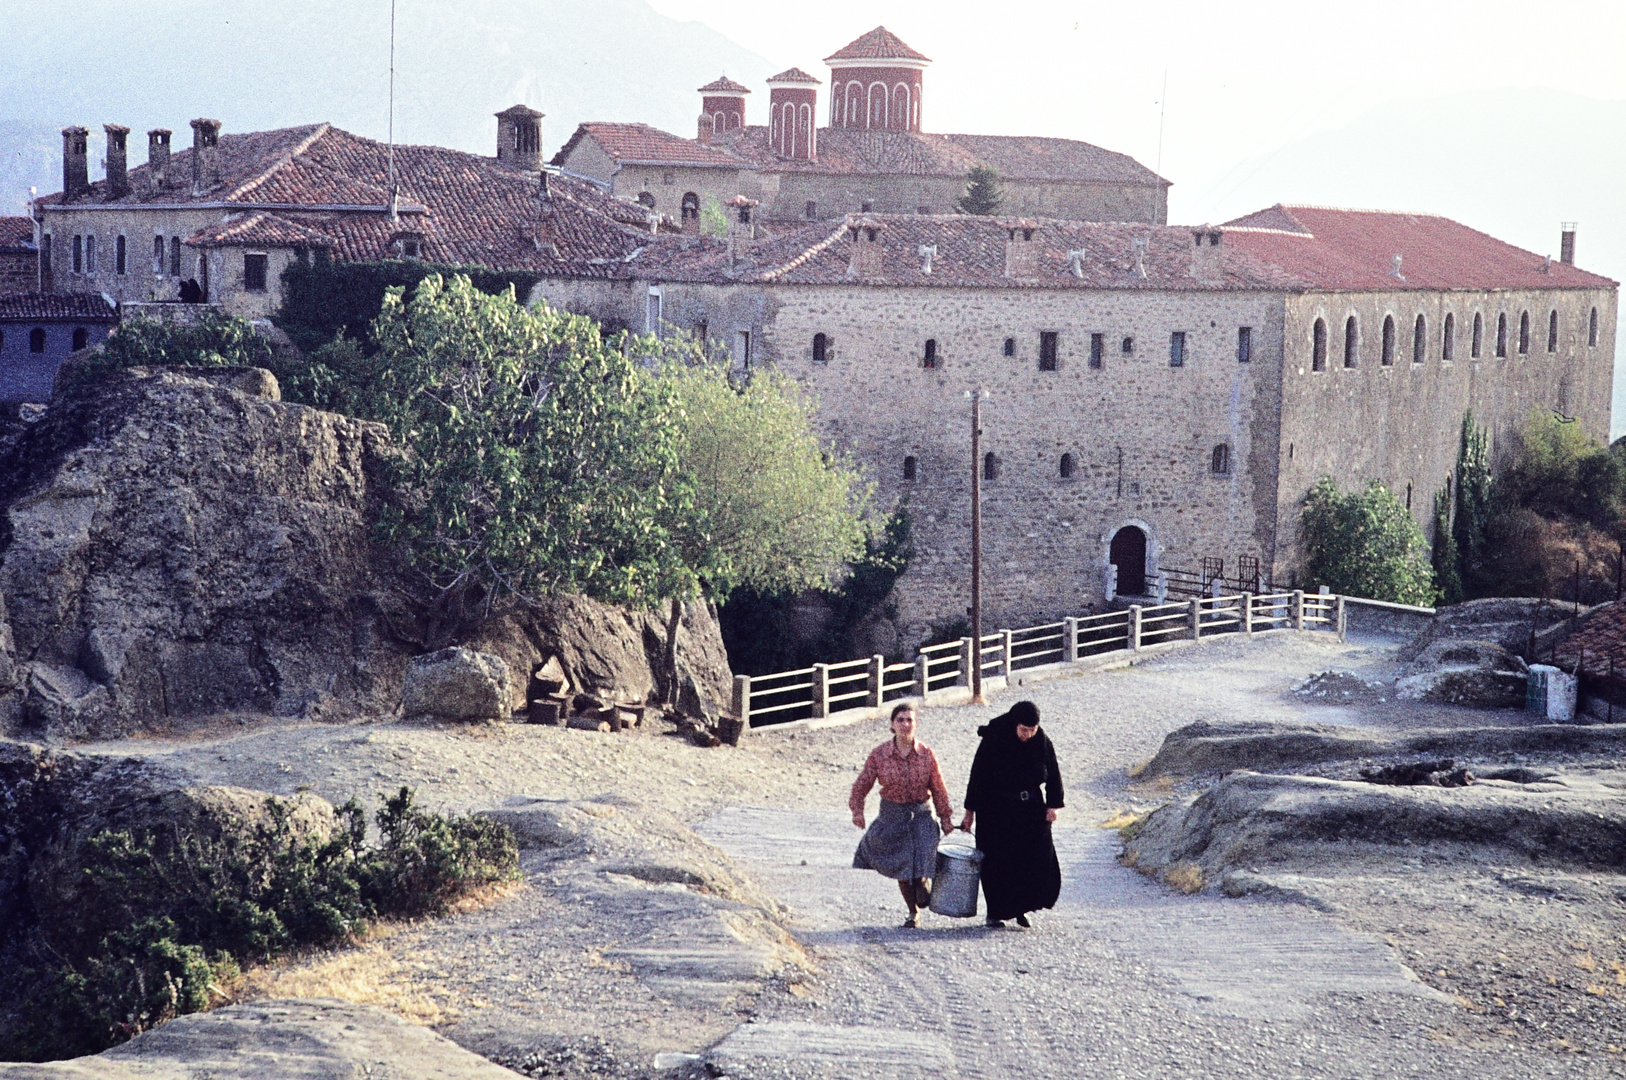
pixel 1501 334
pixel 821 349
pixel 1592 329
pixel 1419 341
pixel 1219 463
pixel 1388 340
pixel 855 103
pixel 36 340
pixel 691 206
pixel 1477 346
pixel 81 338
pixel 804 130
pixel 1067 466
pixel 900 107
pixel 877 106
pixel 646 198
pixel 1352 341
pixel 1448 339
pixel 990 466
pixel 158 256
pixel 931 352
pixel 1524 332
pixel 1552 330
pixel 1010 343
pixel 1318 346
pixel 909 467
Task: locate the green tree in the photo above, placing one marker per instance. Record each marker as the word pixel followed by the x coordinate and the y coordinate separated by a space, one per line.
pixel 982 192
pixel 1365 544
pixel 713 219
pixel 1472 513
pixel 1447 573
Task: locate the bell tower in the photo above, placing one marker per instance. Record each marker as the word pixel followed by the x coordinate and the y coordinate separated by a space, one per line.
pixel 875 83
pixel 793 99
pixel 722 108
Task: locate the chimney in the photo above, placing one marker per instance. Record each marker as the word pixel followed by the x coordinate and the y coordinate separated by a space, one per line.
pixel 1021 251
pixel 75 167
pixel 1207 256
pixel 205 155
pixel 1566 243
pixel 118 172
pixel 742 229
pixel 158 157
pixel 519 138
pixel 864 247
pixel 703 130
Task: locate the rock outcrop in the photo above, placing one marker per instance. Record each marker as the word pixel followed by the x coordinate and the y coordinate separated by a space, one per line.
pixel 1453 671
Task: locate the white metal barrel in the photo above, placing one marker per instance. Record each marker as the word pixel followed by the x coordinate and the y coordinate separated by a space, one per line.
pixel 954 889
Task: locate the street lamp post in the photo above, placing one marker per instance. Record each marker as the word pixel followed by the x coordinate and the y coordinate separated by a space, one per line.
pixel 977 397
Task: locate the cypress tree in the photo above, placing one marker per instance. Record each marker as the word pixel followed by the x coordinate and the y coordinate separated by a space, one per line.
pixel 982 195
pixel 1473 503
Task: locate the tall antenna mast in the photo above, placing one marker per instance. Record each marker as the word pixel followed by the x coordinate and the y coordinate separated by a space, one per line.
pixel 393 196
pixel 1162 103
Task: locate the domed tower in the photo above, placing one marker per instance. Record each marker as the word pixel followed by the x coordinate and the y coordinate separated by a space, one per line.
pixel 722 107
pixel 875 83
pixel 793 99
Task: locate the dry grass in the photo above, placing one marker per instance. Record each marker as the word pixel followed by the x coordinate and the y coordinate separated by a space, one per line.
pixel 1120 819
pixel 1136 770
pixel 367 974
pixel 1187 877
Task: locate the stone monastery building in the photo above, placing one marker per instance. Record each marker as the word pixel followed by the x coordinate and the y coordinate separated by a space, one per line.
pixel 874 155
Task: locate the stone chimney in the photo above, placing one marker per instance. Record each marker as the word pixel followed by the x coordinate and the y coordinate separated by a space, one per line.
pixel 1207 256
pixel 118 171
pixel 158 157
pixel 864 247
pixel 519 138
pixel 205 155
pixel 1566 243
pixel 742 229
pixel 1021 250
pixel 75 166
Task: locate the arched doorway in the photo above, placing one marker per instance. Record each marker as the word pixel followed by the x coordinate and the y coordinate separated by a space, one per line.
pixel 1128 554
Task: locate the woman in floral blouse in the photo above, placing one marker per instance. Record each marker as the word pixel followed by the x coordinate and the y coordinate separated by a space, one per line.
pixel 902 843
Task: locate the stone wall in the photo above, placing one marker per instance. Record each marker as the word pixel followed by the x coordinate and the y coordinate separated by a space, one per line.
pixel 138 225
pixel 19 272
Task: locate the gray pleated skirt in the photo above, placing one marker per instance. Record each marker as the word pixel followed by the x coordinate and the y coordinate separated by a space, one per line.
pixel 901 843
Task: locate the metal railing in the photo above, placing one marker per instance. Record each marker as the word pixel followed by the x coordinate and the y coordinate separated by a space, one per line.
pixel 816 692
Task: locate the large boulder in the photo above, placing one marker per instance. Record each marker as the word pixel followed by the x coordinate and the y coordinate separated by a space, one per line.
pixel 1508 621
pixel 1478 674
pixel 457 684
pixel 179 542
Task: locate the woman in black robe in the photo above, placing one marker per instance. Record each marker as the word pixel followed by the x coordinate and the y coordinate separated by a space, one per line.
pixel 1020 872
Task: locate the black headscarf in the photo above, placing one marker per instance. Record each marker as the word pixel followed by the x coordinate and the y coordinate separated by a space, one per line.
pixel 1005 765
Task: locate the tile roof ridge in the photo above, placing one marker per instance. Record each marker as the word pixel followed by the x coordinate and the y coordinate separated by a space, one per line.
pixel 321 129
pixel 811 252
pixel 1366 210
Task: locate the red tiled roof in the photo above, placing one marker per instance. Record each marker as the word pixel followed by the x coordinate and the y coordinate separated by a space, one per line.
pixel 1355 249
pixel 793 75
pixel 970 253
pixel 857 152
pixel 645 145
pixel 46 307
pixel 879 44
pixel 724 85
pixel 260 230
pixel 16 234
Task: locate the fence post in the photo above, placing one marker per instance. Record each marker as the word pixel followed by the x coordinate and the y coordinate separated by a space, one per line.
pixel 963 677
pixel 1247 614
pixel 1069 640
pixel 877 673
pixel 821 690
pixel 1343 614
pixel 1196 618
pixel 1005 654
pixel 1134 628
pixel 923 673
pixel 1298 609
pixel 742 701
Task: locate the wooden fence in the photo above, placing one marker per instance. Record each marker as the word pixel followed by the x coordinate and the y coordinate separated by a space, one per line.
pixel 818 692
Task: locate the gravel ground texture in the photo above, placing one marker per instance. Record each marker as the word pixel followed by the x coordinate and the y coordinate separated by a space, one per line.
pixel 601 960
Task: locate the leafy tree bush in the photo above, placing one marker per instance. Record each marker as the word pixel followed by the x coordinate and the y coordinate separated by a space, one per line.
pixel 713 218
pixel 173 914
pixel 1365 544
pixel 982 192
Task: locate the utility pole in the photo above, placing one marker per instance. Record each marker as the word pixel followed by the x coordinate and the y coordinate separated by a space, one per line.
pixel 977 397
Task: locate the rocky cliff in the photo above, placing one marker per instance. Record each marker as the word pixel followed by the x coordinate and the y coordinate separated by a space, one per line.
pixel 177 544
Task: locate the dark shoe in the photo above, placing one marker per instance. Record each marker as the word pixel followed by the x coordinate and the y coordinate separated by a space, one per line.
pixel 923 893
pixel 993 923
pixel 912 922
pixel 1022 921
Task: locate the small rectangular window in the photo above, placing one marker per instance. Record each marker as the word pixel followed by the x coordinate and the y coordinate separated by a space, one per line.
pixel 652 319
pixel 45 263
pixel 158 256
pixel 929 356
pixel 79 254
pixel 119 252
pixel 1177 349
pixel 1010 346
pixel 1049 348
pixel 1127 347
pixel 175 256
pixel 811 210
pixel 742 347
pixel 1244 344
pixel 254 267
pixel 91 266
pixel 1098 351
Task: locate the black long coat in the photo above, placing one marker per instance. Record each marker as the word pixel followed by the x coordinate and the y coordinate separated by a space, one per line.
pixel 1020 871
